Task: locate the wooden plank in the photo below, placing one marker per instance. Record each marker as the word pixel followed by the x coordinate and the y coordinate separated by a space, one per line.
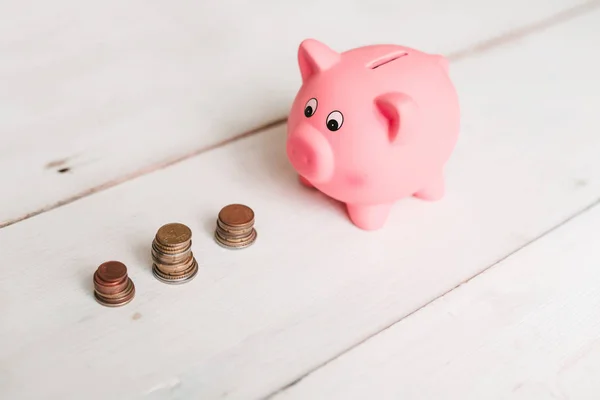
pixel 93 95
pixel 528 328
pixel 313 285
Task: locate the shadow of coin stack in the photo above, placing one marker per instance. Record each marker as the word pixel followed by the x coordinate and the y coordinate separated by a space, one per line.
pixel 112 285
pixel 235 227
pixel 174 262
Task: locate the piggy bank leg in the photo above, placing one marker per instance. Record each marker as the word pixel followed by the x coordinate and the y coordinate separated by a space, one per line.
pixel 304 181
pixel 369 217
pixel 433 191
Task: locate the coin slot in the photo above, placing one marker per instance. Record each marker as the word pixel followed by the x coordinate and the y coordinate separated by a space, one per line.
pixel 64 170
pixel 388 58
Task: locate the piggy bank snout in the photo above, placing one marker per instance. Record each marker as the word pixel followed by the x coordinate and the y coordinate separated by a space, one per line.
pixel 310 154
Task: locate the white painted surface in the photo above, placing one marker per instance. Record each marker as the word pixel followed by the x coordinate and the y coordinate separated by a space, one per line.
pixel 313 285
pixel 526 329
pixel 114 88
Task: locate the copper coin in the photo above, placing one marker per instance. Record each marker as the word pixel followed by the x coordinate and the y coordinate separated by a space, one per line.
pixel 236 239
pixel 175 268
pixel 183 275
pixel 180 248
pixel 171 280
pixel 170 261
pixel 98 281
pixel 112 289
pixel 239 228
pixel 169 258
pixel 117 300
pixel 236 215
pixel 115 303
pixel 234 231
pixel 235 245
pixel 112 271
pixel 240 234
pixel 173 234
pixel 180 273
pixel 117 295
pixel 172 250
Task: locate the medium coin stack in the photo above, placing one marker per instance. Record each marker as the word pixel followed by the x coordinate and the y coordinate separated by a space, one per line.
pixel 112 285
pixel 174 262
pixel 235 227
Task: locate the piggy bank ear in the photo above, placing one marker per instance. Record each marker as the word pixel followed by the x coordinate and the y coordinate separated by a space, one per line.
pixel 314 57
pixel 401 114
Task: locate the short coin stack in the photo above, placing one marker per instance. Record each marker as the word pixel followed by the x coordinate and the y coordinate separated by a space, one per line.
pixel 112 285
pixel 235 227
pixel 174 262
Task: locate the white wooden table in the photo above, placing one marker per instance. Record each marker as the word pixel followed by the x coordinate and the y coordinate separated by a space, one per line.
pixel 117 117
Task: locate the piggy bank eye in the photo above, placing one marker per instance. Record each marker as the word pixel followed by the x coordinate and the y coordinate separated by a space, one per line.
pixel 335 119
pixel 310 108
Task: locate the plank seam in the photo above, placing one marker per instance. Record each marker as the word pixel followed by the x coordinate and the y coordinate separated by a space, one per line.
pixel 145 171
pixel 474 50
pixel 577 214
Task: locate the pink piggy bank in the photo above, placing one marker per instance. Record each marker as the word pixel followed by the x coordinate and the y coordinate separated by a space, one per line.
pixel 372 125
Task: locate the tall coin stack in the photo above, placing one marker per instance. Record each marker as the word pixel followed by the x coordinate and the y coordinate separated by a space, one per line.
pixel 235 227
pixel 112 285
pixel 174 262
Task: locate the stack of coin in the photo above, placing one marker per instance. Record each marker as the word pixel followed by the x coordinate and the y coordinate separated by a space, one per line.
pixel 174 262
pixel 235 227
pixel 112 286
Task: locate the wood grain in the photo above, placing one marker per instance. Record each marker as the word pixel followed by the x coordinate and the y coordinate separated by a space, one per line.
pixel 312 286
pixel 94 95
pixel 528 328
